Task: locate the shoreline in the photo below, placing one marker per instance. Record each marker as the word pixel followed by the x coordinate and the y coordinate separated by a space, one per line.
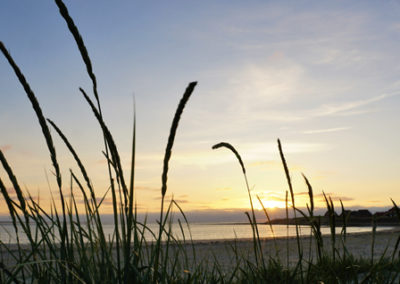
pixel 358 244
pixel 264 239
pixel 225 252
pixel 380 230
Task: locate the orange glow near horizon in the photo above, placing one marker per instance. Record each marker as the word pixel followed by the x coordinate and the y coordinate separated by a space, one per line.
pixel 270 204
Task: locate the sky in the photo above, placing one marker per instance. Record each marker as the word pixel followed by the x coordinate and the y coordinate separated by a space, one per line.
pixel 323 76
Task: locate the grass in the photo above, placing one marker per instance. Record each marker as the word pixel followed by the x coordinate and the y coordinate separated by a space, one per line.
pixel 68 244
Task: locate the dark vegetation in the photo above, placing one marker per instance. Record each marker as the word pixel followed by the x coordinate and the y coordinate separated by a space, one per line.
pixel 361 217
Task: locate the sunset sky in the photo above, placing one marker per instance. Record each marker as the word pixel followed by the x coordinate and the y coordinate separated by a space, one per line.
pixel 323 76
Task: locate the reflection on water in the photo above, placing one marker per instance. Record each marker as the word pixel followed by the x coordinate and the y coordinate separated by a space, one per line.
pixel 202 232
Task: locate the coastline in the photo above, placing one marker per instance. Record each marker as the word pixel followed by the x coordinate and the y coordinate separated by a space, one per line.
pixel 225 252
pixel 357 244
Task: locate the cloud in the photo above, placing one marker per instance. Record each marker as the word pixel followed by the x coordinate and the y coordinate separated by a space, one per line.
pixel 289 147
pixel 320 197
pixel 281 66
pixel 181 201
pixel 5 148
pixel 275 198
pixel 266 85
pixel 349 108
pixel 251 152
pixel 168 199
pixel 340 108
pixel 106 202
pixel 279 87
pixel 270 163
pixel 273 164
pixel 101 161
pixel 204 157
pixel 11 193
pixel 147 188
pixel 223 189
pixel 326 130
pixel 270 196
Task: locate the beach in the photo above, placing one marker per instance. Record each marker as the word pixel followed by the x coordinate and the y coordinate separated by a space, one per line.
pixel 357 244
pixel 225 252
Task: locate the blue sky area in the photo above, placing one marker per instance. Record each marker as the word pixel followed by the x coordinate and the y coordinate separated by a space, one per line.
pixel 324 77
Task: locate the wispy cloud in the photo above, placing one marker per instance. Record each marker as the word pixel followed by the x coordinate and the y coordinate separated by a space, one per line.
pixel 340 108
pixel 11 193
pixel 5 148
pixel 224 189
pixel 273 164
pixel 250 152
pixel 320 197
pixel 107 201
pixel 326 130
pixel 254 150
pixel 281 89
pixel 275 198
pixel 348 108
pixel 147 188
pixel 168 198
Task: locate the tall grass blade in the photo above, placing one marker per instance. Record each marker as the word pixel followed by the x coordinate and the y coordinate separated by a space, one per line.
pixel 172 133
pixel 50 146
pixel 256 235
pixel 130 222
pixel 37 109
pixel 168 150
pixel 81 45
pixel 289 181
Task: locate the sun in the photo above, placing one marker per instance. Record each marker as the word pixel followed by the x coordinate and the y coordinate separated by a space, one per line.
pixel 271 204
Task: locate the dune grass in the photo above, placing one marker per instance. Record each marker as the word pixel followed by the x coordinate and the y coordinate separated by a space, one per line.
pixel 68 245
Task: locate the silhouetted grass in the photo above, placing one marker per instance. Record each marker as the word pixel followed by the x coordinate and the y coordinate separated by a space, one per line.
pixel 70 246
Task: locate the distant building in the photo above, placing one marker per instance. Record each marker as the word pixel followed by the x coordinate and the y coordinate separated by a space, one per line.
pixel 361 213
pixel 345 213
pixel 391 213
pixel 327 214
pixel 380 214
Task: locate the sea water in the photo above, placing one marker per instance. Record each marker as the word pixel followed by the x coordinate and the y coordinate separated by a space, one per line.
pixel 197 231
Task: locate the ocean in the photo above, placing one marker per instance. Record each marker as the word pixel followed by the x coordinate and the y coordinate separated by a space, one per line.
pixel 202 231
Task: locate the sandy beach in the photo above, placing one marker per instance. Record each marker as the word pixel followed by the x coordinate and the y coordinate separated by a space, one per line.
pixel 357 244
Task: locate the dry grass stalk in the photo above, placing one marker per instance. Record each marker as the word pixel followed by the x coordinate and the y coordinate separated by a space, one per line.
pixel 172 132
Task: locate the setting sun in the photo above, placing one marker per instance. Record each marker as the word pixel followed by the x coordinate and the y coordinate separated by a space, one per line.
pixel 271 204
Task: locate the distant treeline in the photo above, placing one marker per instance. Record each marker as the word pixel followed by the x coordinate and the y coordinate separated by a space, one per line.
pixel 362 217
